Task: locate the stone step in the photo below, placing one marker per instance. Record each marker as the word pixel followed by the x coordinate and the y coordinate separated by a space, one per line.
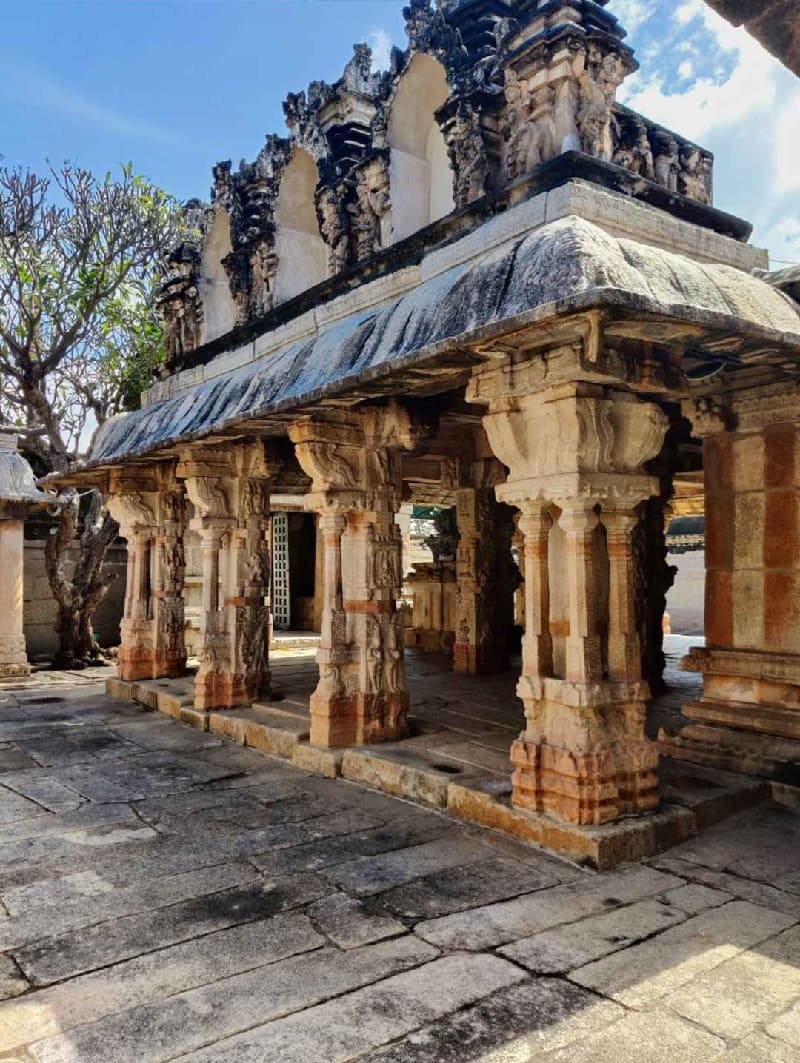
pixel 292 710
pixel 418 774
pixel 269 732
pixel 710 794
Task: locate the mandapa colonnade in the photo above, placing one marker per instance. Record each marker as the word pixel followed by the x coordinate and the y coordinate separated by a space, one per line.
pixel 550 358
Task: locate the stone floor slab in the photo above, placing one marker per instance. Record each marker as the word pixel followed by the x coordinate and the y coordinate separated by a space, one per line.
pixel 90 948
pixel 12 981
pixel 513 1026
pixel 368 1018
pixel 651 1038
pixel 58 913
pixel 644 974
pixel 154 977
pixel 750 990
pixel 564 948
pixel 203 1016
pixel 497 924
pixel 374 874
pixel 350 924
pixel 461 888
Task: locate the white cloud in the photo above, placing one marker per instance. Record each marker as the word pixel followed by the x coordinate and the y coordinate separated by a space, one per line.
pixel 632 13
pixel 715 84
pixel 37 88
pixel 787 146
pixel 381 44
pixel 710 103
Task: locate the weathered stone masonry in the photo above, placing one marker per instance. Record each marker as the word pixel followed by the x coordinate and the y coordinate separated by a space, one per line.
pixel 476 281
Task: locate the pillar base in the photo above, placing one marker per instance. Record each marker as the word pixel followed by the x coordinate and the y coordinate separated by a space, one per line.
pixel 473 660
pixel 748 720
pixel 358 719
pixel 14 671
pixel 169 667
pixel 585 789
pixel 135 663
pixel 584 758
pixel 13 657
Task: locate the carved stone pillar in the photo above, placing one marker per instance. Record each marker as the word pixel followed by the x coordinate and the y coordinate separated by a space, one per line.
pixel 212 683
pixel 248 582
pixel 136 512
pixel 331 707
pixel 486 580
pixel 18 496
pixel 575 456
pixel 231 502
pixel 210 491
pixel 354 462
pixel 749 716
pixel 13 654
pixel 168 590
pixel 585 644
pixel 537 644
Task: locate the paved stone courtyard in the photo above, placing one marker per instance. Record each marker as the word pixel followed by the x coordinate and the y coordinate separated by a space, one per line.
pixel 167 894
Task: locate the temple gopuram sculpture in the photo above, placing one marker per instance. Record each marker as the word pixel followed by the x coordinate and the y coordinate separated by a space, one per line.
pixel 475 281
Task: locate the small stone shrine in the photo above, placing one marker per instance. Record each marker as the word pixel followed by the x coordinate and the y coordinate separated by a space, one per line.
pixel 18 496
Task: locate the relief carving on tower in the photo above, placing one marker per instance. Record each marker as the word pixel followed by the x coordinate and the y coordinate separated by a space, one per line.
pixel 524 86
pixel 370 210
pixel 469 156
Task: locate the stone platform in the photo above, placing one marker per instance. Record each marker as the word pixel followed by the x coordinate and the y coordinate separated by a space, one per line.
pixel 457 758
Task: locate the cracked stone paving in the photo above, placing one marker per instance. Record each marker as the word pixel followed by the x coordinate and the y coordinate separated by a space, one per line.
pixel 167 894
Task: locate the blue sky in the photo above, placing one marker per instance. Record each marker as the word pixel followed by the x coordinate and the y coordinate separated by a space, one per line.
pixel 175 85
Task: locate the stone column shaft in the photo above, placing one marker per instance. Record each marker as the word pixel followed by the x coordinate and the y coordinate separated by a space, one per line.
pixel 169 573
pixel 485 606
pixel 211 682
pixel 584 649
pixel 624 645
pixel 136 512
pixel 13 658
pixel 537 644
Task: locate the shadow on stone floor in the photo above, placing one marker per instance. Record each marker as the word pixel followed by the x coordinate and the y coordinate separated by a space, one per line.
pixel 169 894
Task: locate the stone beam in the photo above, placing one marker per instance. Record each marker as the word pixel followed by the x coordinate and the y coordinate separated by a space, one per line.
pixel 774 23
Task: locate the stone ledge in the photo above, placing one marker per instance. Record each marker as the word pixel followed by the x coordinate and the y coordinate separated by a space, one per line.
pixel 695 797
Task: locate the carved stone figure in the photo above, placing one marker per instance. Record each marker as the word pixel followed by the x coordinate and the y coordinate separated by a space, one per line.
pixel 180 304
pixel 633 151
pixel 370 212
pixel 693 175
pixel 468 156
pixel 667 161
pixel 334 224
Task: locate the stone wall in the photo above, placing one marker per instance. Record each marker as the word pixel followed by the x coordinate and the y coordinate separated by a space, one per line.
pixel 40 607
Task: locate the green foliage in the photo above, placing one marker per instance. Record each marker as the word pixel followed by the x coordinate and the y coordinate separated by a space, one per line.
pixel 81 262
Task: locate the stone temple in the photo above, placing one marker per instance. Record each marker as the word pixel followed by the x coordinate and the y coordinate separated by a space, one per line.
pixel 475 280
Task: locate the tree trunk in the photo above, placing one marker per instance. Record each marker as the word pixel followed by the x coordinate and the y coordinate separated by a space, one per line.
pixel 79 596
